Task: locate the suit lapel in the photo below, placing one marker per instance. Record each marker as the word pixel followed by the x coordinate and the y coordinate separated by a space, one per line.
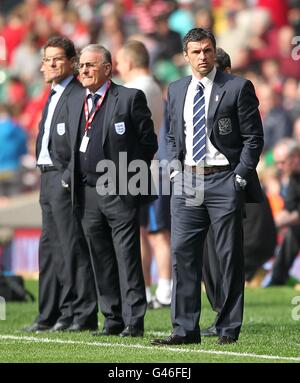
pixel 216 96
pixel 112 98
pixel 180 106
pixel 59 105
pixel 75 115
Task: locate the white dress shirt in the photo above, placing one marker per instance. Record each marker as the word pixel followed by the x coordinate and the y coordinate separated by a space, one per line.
pixel 213 156
pixel 100 92
pixel 44 156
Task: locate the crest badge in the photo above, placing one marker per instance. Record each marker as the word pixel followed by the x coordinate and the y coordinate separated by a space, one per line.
pixel 61 129
pixel 225 126
pixel 120 128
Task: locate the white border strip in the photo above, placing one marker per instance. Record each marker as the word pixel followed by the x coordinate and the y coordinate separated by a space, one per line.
pixel 32 339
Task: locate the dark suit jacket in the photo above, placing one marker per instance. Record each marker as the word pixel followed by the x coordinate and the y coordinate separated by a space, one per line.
pixel 59 144
pixel 139 142
pixel 233 124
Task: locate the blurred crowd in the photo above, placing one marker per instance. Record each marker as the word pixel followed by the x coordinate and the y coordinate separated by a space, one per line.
pixel 262 38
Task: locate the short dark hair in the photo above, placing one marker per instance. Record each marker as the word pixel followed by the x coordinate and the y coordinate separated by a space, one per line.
pixel 197 34
pixel 223 60
pixel 138 52
pixel 62 42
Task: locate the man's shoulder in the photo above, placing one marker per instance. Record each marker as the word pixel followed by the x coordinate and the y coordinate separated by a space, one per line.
pixel 123 91
pixel 75 86
pixel 182 81
pixel 231 80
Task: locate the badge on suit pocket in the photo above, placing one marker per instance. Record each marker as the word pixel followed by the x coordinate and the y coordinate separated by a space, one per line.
pixel 61 129
pixel 225 126
pixel 120 128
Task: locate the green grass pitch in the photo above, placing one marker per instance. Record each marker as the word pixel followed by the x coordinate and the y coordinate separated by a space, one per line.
pixel 270 334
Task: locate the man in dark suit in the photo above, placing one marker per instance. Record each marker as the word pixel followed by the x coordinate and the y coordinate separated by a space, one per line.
pixel 114 131
pixel 67 295
pixel 259 238
pixel 216 136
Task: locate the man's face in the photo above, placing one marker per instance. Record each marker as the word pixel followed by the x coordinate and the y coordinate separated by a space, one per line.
pixel 123 64
pixel 201 56
pixel 283 161
pixel 93 71
pixel 56 66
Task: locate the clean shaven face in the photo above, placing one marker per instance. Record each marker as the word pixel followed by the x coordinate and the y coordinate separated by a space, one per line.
pixel 93 71
pixel 201 56
pixel 56 66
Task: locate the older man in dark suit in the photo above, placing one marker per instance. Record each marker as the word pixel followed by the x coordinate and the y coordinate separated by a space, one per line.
pixel 114 132
pixel 67 295
pixel 214 142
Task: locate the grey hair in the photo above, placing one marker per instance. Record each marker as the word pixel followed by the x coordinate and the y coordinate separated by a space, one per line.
pixel 98 49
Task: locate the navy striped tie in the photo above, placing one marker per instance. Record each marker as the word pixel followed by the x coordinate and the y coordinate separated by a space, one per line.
pixel 199 134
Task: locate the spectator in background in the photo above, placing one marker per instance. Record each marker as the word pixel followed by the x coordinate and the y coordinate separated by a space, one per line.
pixel 288 218
pixel 284 154
pixel 27 52
pixel 168 41
pixel 182 19
pixel 12 148
pixel 133 66
pixel 145 12
pixel 276 122
pixel 291 97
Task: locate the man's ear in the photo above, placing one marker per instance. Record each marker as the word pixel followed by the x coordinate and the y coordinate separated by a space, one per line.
pixel 186 57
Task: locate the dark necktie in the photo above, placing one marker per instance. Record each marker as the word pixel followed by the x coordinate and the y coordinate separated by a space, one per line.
pixel 95 98
pixel 45 111
pixel 199 133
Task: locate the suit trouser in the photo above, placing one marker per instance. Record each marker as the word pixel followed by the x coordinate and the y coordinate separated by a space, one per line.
pixel 112 232
pixel 211 273
pixel 67 291
pixel 220 206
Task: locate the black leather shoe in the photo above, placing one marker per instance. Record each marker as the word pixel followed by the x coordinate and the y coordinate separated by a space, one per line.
pixel 59 326
pixel 109 331
pixel 226 340
pixel 37 327
pixel 174 339
pixel 132 331
pixel 209 331
pixel 75 327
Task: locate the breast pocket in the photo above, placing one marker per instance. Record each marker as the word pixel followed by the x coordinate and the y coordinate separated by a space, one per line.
pixel 224 125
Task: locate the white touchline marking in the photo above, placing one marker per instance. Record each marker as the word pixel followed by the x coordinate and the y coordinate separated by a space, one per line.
pixel 143 347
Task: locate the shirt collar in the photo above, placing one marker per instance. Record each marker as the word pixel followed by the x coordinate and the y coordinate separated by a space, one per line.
pixel 206 81
pixel 100 91
pixel 60 87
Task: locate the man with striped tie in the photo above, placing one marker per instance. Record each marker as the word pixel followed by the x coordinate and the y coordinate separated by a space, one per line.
pixel 214 143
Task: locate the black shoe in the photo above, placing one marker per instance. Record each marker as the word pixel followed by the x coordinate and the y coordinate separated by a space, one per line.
pixel 109 331
pixel 209 331
pixel 174 339
pixel 37 327
pixel 75 327
pixel 226 340
pixel 59 326
pixel 132 331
